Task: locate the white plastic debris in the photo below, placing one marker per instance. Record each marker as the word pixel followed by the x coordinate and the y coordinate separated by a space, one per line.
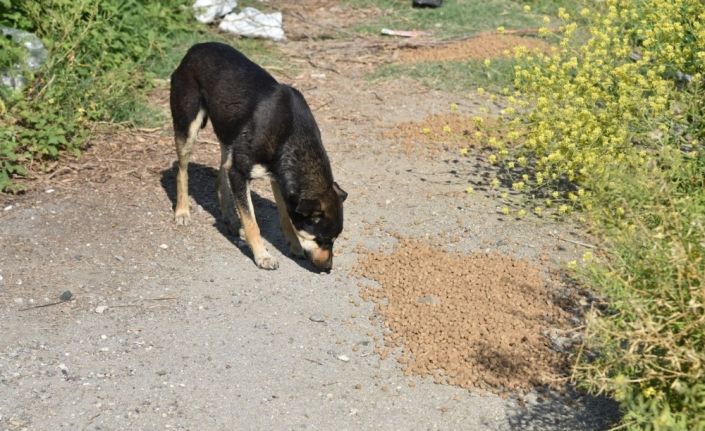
pixel 207 11
pixel 36 55
pixel 253 23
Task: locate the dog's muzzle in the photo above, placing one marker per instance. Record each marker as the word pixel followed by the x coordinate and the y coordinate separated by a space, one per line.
pixel 322 258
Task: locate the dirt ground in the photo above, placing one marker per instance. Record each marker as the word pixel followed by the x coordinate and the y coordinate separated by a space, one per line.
pixel 438 313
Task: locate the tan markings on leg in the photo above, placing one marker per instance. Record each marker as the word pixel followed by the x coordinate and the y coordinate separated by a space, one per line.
pixel 225 193
pixel 285 222
pixel 184 147
pixel 252 234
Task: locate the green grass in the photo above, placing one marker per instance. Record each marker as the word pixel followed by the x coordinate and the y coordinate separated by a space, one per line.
pixel 453 76
pixel 455 18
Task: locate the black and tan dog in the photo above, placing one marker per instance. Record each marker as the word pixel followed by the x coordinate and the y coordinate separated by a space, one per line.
pixel 265 129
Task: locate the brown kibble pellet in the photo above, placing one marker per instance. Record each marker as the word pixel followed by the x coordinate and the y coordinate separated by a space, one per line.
pixel 475 321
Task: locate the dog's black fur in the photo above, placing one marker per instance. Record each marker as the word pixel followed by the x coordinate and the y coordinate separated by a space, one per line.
pixel 260 124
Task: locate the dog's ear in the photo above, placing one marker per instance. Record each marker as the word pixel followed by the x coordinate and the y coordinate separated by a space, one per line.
pixel 342 194
pixel 307 207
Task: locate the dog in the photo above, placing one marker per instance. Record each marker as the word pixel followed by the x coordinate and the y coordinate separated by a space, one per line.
pixel 265 129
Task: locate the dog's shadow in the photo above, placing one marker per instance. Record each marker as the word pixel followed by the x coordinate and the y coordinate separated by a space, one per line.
pixel 202 187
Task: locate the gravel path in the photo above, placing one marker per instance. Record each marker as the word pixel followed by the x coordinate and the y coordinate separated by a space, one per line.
pixel 174 327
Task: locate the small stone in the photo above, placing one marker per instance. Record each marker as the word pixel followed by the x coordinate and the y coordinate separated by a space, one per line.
pixel 101 309
pixel 318 318
pixel 343 358
pixel 19 300
pixel 120 258
pixel 49 190
pixel 163 246
pixel 66 296
pixel 358 386
pixel 7 208
pixel 429 299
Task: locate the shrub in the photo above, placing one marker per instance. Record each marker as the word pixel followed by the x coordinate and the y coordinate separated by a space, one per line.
pixel 612 123
pixel 94 72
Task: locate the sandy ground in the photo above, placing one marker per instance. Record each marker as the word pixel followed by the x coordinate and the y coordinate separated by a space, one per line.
pixel 175 328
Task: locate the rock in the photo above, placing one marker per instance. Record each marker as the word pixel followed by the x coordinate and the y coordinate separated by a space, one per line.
pixel 318 318
pixel 343 358
pixel 429 299
pixel 66 296
pixel 101 309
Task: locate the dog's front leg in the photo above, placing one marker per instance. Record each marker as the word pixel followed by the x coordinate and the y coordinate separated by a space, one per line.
pixel 243 203
pixel 225 193
pixel 285 222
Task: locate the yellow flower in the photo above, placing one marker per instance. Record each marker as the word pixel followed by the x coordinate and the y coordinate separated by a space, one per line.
pixel 426 130
pixel 587 256
pixel 453 107
pixel 500 29
pixel 469 190
pixel 463 151
pixel 487 62
pixel 446 129
pixel 505 210
pixel 527 8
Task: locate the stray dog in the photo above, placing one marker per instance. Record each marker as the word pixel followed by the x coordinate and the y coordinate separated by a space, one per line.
pixel 265 129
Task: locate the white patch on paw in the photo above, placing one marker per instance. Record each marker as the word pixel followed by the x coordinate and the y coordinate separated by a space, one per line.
pixel 182 219
pixel 267 262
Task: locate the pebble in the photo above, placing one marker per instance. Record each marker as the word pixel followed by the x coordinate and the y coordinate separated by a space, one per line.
pixel 429 299
pixel 66 296
pixel 101 309
pixel 163 246
pixel 19 300
pixel 317 318
pixel 343 358
pixel 7 208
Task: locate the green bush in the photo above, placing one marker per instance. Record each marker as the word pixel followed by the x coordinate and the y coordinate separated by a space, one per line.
pixel 95 71
pixel 613 124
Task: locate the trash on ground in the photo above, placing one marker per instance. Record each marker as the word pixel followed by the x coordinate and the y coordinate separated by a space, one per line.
pixel 404 33
pixel 253 23
pixel 206 11
pixel 36 55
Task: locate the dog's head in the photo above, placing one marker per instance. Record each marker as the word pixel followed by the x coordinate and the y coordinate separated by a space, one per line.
pixel 317 223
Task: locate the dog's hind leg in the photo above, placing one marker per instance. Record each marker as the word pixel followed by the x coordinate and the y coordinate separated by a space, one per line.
pixel 225 193
pixel 184 148
pixel 246 212
pixel 287 227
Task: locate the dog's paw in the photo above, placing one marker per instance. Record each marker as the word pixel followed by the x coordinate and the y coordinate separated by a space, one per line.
pixel 267 262
pixel 182 218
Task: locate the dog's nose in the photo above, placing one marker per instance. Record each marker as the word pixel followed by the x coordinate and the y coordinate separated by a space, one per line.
pixel 323 259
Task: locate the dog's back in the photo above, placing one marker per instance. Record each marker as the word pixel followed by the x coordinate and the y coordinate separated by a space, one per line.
pixel 215 77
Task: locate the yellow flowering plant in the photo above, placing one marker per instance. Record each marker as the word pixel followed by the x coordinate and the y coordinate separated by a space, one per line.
pixel 612 123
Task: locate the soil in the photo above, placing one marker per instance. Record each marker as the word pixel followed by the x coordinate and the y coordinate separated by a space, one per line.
pixel 175 327
pixel 439 132
pixel 488 45
pixel 475 321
